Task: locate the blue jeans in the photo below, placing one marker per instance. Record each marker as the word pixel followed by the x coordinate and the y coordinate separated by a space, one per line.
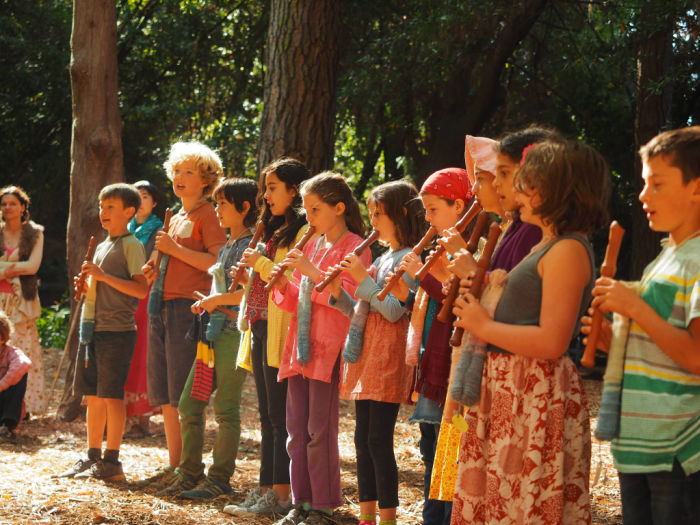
pixel 660 498
pixel 435 512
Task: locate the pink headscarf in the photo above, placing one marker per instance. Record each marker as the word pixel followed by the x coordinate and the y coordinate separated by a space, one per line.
pixel 449 183
pixel 479 153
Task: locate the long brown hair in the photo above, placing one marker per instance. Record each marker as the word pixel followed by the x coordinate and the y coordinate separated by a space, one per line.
pixel 572 180
pixel 400 201
pixel 332 188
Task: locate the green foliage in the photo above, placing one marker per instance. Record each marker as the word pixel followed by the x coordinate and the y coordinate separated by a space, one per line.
pixel 53 325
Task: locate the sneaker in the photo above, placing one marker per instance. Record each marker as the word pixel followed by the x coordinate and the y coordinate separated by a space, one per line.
pixel 105 471
pixel 269 503
pixel 207 489
pixel 181 482
pixel 316 517
pixel 79 466
pixel 159 480
pixel 295 516
pixel 250 500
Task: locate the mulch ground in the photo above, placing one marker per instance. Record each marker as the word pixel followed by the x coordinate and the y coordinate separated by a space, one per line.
pixel 45 447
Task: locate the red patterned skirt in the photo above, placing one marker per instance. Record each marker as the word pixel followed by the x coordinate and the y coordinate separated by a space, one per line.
pixel 526 455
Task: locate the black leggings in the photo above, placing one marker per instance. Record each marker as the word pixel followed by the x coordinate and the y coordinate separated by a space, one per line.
pixel 272 405
pixel 11 403
pixel 377 474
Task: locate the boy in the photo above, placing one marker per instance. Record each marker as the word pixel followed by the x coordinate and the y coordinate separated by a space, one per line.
pixel 108 332
pixel 189 248
pixel 14 366
pixel 657 453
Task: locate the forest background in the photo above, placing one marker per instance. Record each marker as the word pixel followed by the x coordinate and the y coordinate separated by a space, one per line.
pixel 413 77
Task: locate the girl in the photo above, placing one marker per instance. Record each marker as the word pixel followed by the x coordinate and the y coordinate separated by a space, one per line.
pixel 21 250
pixel 445 195
pixel 311 358
pixel 525 457
pixel 380 380
pixel 285 224
pixel 237 212
pixel 144 225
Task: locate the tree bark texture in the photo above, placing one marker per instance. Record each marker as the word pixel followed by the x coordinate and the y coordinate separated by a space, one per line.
pixel 300 82
pixel 654 62
pixel 96 146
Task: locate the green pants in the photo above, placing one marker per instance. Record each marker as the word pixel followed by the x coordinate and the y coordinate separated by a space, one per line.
pixel 228 382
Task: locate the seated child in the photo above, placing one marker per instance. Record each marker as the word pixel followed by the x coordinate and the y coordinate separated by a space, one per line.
pixel 14 366
pixel 108 332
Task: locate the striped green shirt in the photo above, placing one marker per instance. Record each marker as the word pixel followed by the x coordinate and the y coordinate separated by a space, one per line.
pixel 660 417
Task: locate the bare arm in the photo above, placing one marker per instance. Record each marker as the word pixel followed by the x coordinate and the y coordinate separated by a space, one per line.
pixel 565 270
pixel 681 345
pixel 135 287
pixel 31 265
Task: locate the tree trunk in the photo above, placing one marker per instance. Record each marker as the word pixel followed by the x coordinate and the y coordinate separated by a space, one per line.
pixel 300 83
pixel 96 148
pixel 654 59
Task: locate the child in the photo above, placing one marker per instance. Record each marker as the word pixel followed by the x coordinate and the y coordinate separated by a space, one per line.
pixel 445 195
pixel 144 225
pixel 525 456
pixel 236 209
pixel 657 451
pixel 14 366
pixel 108 332
pixel 379 380
pixel 285 224
pixel 311 358
pixel 189 248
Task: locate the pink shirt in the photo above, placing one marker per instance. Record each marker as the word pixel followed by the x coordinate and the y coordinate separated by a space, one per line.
pixel 13 365
pixel 329 327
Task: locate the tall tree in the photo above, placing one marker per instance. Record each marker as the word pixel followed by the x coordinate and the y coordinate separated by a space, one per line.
pixel 96 146
pixel 300 82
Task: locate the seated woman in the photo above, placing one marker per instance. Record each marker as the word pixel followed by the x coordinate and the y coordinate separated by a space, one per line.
pixel 21 250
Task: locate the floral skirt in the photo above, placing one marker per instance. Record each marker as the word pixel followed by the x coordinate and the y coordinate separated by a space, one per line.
pixel 526 455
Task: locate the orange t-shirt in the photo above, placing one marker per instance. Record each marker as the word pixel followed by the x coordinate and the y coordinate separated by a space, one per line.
pixel 197 230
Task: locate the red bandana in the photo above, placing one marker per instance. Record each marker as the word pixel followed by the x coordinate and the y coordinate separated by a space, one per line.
pixel 449 183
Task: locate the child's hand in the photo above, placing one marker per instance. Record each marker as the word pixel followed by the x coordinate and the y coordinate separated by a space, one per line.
pixel 452 241
pixel 82 289
pixel 439 269
pixel 196 308
pixel 605 334
pixel 335 286
pixel 472 316
pixel 209 303
pixel 165 243
pixel 410 264
pixel 149 271
pixel 250 256
pixel 400 289
pixel 281 283
pixel 90 268
pixel 610 295
pixel 296 259
pixel 244 273
pixel 354 267
pixel 462 264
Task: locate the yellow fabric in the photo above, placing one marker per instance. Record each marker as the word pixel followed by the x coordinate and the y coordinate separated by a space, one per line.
pixel 277 319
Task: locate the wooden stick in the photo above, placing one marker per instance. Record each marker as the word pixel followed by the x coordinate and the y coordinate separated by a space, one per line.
pixel 92 244
pixel 445 313
pixel 398 274
pixel 79 296
pixel 240 267
pixel 166 227
pixel 478 280
pixel 460 226
pixel 607 269
pixel 373 236
pixel 199 296
pixel 278 271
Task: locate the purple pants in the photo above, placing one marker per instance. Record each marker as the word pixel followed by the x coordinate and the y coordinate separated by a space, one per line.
pixel 312 424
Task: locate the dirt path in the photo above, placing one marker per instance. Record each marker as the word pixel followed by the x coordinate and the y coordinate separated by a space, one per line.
pixel 29 494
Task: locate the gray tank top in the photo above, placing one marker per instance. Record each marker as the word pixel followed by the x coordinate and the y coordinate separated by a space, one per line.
pixel 521 301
